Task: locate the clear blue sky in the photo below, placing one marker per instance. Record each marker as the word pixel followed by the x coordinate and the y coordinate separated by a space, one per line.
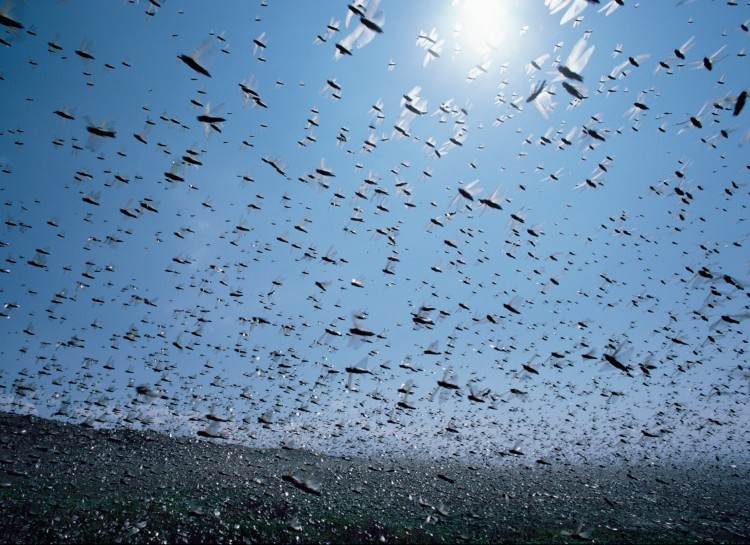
pixel 633 231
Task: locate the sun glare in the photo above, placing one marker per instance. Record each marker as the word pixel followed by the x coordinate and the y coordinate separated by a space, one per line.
pixel 485 24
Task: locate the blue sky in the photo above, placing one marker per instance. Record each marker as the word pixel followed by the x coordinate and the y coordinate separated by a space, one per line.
pixel 168 279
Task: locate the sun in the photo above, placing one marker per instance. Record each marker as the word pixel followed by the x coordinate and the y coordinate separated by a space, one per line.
pixel 485 24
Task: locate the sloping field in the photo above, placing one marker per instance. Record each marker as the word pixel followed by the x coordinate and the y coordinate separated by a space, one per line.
pixel 69 483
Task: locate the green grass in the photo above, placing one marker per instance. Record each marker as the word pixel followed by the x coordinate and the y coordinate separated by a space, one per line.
pixel 68 485
pixel 31 517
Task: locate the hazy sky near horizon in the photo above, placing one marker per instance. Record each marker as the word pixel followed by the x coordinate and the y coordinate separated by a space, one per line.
pixel 542 205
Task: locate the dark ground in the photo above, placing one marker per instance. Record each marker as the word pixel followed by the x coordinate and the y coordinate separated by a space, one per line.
pixel 68 483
